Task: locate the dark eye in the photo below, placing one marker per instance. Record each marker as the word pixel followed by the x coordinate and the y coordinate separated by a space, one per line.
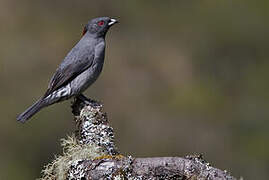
pixel 101 23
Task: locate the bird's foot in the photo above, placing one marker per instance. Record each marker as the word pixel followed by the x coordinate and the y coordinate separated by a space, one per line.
pixel 86 101
pixel 83 99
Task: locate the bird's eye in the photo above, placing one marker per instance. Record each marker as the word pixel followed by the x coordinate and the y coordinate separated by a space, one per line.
pixel 101 23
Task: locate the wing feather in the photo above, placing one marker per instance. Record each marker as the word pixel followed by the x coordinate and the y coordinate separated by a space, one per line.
pixel 70 68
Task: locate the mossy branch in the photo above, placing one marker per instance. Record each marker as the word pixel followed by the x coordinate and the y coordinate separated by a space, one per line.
pixel 91 154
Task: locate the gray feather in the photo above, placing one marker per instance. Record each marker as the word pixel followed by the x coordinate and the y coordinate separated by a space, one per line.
pixel 79 69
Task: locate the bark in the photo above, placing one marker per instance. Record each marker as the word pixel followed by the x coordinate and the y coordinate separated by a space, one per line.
pixel 95 135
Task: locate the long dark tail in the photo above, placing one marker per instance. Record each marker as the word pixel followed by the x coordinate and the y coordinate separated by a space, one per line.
pixel 37 106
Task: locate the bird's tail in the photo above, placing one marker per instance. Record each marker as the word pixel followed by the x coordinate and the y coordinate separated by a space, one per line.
pixel 37 106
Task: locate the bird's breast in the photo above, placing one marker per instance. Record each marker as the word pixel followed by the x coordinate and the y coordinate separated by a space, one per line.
pixel 86 78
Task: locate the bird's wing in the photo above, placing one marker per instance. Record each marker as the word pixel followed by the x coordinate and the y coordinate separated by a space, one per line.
pixel 75 63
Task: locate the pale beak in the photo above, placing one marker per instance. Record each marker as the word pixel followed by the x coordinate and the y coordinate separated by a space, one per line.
pixel 112 21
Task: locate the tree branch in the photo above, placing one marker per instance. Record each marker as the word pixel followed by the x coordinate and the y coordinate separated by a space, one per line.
pixel 91 154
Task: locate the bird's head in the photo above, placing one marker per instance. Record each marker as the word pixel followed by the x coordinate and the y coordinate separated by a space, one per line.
pixel 99 26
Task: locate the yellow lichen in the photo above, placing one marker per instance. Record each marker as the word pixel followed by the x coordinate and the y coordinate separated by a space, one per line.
pixel 118 157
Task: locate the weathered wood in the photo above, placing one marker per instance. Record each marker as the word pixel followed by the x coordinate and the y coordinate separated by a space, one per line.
pixel 92 155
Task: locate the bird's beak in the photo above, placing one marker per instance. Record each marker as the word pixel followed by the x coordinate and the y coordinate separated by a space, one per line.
pixel 112 21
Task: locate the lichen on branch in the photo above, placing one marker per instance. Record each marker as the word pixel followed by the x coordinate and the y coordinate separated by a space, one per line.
pixel 91 154
pixel 93 139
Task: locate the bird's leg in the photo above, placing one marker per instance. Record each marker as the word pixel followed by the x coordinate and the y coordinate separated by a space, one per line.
pixel 84 99
pixel 79 101
pixel 87 101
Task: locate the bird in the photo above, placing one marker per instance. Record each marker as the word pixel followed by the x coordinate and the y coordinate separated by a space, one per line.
pixel 78 70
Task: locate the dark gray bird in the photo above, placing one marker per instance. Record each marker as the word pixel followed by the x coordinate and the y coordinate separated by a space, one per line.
pixel 79 69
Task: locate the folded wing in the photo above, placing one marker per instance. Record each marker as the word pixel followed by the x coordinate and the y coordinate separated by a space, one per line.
pixel 73 65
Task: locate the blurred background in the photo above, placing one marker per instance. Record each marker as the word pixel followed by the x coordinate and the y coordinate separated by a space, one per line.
pixel 180 77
